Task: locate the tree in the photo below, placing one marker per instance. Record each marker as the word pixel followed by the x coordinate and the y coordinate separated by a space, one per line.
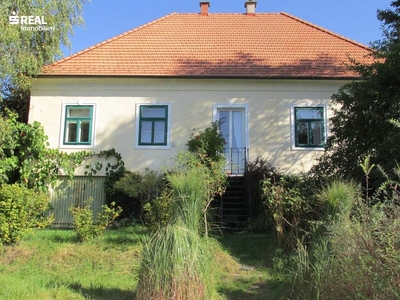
pixel 362 123
pixel 23 53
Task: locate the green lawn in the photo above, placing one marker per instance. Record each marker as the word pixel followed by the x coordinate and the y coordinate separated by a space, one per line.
pixel 51 264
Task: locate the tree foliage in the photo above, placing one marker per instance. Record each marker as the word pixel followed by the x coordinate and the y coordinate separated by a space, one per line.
pixel 24 53
pixel 363 109
pixel 26 159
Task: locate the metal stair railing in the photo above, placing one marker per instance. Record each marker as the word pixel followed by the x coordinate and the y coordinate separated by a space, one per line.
pixel 236 160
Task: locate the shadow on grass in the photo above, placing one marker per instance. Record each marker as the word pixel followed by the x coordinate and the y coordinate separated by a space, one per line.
pixel 56 235
pixel 256 280
pixel 101 293
pixel 257 250
pixel 269 289
pixel 126 235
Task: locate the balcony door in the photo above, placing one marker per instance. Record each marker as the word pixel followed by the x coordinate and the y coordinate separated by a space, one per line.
pixel 233 128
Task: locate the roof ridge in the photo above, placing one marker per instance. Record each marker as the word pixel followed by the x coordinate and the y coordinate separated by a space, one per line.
pixel 230 13
pixel 326 31
pixel 109 40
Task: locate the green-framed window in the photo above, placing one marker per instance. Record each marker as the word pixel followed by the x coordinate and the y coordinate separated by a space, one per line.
pixel 78 125
pixel 309 126
pixel 153 125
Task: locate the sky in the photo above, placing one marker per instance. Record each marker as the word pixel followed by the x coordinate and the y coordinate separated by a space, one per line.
pixel 104 19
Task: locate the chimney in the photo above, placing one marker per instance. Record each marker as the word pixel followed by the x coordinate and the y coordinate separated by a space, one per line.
pixel 204 8
pixel 250 7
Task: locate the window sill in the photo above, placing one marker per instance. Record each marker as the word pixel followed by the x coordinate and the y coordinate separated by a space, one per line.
pixel 76 146
pixel 148 147
pixel 308 148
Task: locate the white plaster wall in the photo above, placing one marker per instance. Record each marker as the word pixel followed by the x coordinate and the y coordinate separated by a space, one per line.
pixel 269 104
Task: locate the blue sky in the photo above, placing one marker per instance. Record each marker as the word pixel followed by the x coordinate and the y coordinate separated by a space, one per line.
pixel 104 19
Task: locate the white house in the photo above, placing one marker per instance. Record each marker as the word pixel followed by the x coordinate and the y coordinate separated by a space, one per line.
pixel 268 76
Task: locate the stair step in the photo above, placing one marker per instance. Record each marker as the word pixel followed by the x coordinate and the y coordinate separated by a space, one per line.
pixel 234 210
pixel 234 199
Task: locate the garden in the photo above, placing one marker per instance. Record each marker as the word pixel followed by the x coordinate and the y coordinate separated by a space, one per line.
pixel 332 233
pixel 309 237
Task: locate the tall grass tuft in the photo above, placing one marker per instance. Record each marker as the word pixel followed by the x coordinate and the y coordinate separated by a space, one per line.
pixel 356 255
pixel 175 265
pixel 366 253
pixel 189 196
pixel 310 264
pixel 175 262
pixel 338 199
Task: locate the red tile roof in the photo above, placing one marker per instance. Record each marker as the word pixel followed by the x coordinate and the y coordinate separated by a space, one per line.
pixel 264 45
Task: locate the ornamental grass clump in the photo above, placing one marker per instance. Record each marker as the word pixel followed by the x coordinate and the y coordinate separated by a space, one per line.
pixel 176 263
pixel 338 199
pixel 189 197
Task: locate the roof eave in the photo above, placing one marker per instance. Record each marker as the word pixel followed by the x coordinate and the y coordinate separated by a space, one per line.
pixel 201 77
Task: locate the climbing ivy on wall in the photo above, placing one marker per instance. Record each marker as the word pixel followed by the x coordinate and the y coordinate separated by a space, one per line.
pixel 26 159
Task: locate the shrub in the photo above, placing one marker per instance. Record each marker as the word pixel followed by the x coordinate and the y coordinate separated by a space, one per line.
pixel 158 212
pixel 209 142
pixel 133 190
pixel 290 206
pixel 84 224
pixel 256 172
pixel 20 210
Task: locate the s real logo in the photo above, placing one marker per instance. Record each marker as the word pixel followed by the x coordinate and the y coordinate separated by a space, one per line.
pixel 14 19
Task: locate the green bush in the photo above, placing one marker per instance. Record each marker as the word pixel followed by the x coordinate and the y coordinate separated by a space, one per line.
pixel 209 142
pixel 20 210
pixel 158 212
pixel 84 224
pixel 257 171
pixel 291 207
pixel 133 190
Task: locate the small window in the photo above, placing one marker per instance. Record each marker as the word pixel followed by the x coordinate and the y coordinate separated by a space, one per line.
pixel 309 126
pixel 78 125
pixel 153 125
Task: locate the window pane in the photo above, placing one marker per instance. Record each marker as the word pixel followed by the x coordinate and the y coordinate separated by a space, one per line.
pixel 71 132
pixel 159 132
pixel 302 133
pixel 309 113
pixel 224 118
pixel 84 134
pixel 74 112
pixel 237 129
pixel 150 112
pixel 146 132
pixel 316 133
